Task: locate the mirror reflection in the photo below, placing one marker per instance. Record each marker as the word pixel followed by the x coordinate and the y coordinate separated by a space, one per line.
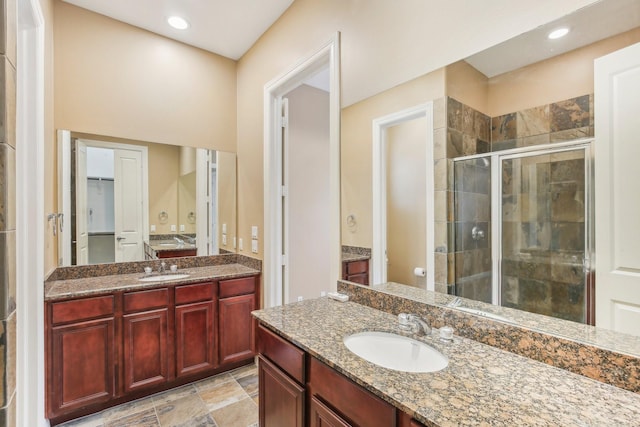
pixel 131 201
pixel 513 129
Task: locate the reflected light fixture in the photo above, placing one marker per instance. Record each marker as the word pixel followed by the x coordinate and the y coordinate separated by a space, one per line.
pixel 178 23
pixel 556 34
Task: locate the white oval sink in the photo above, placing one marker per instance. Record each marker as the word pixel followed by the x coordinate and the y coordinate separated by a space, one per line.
pixel 396 352
pixel 164 277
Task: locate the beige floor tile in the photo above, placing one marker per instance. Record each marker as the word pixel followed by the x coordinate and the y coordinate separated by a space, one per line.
pixel 94 420
pixel 244 371
pixel 240 414
pixel 146 418
pixel 222 395
pixel 126 409
pixel 212 382
pixel 249 383
pixel 173 394
pixel 179 411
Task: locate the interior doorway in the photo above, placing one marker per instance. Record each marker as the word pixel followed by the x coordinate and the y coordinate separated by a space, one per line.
pixel 280 232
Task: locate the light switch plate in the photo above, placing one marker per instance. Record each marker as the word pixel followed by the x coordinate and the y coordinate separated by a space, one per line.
pixel 224 239
pixel 254 231
pixel 181 227
pixel 240 243
pixel 153 228
pixel 173 227
pixel 254 246
pixel 224 228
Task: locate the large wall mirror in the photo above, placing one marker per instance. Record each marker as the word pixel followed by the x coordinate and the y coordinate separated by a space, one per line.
pixel 128 200
pixel 514 162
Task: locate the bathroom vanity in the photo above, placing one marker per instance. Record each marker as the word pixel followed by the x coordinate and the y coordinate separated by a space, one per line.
pixel 307 369
pixel 115 338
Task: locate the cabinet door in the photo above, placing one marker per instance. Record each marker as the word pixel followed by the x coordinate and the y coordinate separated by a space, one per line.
pixel 82 360
pixel 237 328
pixel 322 416
pixel 195 348
pixel 281 400
pixel 145 349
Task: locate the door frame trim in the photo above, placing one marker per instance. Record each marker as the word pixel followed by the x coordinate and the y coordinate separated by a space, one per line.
pixel 379 173
pixel 328 54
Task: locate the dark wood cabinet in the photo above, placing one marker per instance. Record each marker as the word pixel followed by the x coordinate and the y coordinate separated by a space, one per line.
pixel 322 416
pixel 281 399
pixel 145 336
pixel 356 271
pixel 108 349
pixel 145 349
pixel 82 371
pixel 195 347
pixel 237 331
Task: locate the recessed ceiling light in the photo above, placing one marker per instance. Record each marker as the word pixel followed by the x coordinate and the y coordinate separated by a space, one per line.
pixel 178 23
pixel 556 34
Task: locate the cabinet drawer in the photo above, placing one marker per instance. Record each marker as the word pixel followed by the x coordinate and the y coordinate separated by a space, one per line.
pixel 233 287
pixel 81 309
pixel 284 354
pixel 194 293
pixel 348 398
pixel 357 267
pixel 146 300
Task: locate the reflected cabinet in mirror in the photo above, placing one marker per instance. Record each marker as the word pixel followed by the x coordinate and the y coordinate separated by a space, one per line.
pixel 512 192
pixel 130 201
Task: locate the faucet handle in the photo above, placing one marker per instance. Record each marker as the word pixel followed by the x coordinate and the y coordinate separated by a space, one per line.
pixel 404 321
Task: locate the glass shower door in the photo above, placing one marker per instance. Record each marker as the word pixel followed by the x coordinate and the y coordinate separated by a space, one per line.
pixel 544 233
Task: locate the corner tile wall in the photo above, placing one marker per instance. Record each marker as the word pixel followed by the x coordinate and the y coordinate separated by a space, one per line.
pixel 469 262
pixel 443 197
pixel 8 35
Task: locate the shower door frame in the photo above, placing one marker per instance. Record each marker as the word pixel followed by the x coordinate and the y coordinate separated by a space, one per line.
pixel 496 158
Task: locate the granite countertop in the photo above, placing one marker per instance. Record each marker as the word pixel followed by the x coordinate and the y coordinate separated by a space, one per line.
pixel 73 288
pixel 347 257
pixel 482 385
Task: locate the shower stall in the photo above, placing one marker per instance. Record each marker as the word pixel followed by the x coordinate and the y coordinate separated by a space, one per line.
pixel 523 229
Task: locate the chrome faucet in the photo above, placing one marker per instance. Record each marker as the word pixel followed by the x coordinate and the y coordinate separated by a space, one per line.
pixel 180 241
pixel 413 323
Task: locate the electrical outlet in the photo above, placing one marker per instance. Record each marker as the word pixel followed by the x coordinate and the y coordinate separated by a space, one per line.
pixel 240 244
pixel 224 239
pixel 254 246
pixel 153 228
pixel 300 298
pixel 173 227
pixel 254 231
pixel 181 227
pixel 224 228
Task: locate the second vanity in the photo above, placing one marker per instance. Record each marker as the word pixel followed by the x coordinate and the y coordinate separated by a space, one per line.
pixel 111 337
pixel 482 385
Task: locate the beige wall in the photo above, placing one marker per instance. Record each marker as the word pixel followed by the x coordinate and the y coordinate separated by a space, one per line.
pixel 357 153
pixel 383 44
pixel 467 85
pixel 186 202
pixel 118 80
pixel 562 77
pixel 164 174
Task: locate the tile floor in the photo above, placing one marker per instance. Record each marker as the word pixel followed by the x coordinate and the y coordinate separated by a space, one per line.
pixel 229 399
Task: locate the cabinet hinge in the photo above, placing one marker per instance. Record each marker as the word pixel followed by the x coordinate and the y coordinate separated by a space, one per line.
pixel 283 260
pixel 284 121
pixel 283 191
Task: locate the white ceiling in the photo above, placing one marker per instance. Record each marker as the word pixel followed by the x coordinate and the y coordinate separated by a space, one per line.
pixel 226 27
pixel 588 25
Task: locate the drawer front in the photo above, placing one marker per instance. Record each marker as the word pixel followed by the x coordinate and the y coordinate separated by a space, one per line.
pixel 233 287
pixel 284 354
pixel 348 398
pixel 357 267
pixel 81 309
pixel 187 294
pixel 146 300
pixel 361 279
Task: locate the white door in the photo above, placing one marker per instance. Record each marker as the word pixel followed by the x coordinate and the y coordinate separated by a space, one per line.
pixel 617 173
pixel 128 205
pixel 82 235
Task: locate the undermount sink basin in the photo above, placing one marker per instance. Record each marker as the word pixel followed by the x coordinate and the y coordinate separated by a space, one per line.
pixel 396 352
pixel 164 277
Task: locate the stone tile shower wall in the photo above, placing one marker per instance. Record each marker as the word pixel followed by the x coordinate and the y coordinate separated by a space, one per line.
pixel 8 34
pixel 528 284
pixel 469 132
